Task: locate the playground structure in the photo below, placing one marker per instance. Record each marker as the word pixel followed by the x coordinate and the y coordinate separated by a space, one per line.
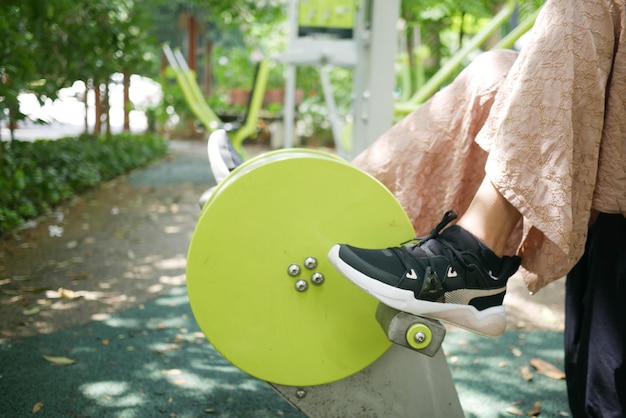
pixel 362 37
pixel 185 77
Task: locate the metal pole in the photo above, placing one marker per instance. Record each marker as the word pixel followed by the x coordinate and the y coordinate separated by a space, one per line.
pixel 374 78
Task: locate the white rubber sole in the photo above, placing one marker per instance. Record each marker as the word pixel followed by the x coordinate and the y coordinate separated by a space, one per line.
pixel 490 321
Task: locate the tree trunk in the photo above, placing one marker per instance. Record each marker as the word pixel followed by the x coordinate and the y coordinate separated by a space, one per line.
pixel 12 123
pixel 107 108
pixel 126 127
pixel 97 125
pixel 207 74
pixel 191 42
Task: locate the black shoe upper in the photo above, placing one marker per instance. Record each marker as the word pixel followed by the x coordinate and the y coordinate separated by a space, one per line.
pixel 444 261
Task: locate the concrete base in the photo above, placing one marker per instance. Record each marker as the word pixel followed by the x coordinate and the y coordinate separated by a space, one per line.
pixel 401 383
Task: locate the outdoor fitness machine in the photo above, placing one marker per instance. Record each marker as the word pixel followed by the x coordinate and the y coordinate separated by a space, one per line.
pixel 259 281
pixel 346 33
pixel 264 293
pixel 260 285
pixel 356 34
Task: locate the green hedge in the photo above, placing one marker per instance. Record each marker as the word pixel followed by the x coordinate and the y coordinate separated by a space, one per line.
pixel 36 176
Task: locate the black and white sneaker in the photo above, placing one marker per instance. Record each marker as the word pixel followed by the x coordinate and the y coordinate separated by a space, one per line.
pixel 223 157
pixel 448 275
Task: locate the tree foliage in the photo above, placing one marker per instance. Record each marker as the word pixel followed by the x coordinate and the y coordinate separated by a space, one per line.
pixel 47 45
pixel 438 28
pixel 37 176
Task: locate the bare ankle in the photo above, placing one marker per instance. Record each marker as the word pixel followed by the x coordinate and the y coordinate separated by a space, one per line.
pixel 490 218
pixel 496 242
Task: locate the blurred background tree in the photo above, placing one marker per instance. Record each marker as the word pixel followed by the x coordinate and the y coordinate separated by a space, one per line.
pixel 47 45
pixel 433 30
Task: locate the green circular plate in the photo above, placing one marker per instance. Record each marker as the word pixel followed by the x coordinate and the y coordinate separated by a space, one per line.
pixel 272 212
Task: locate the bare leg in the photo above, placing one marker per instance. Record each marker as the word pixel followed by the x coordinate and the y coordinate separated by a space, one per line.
pixel 490 217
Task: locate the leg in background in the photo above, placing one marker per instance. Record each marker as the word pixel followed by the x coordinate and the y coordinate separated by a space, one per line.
pixel 595 323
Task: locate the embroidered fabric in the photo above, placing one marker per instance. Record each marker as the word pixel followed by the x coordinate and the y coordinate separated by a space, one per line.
pixel 547 126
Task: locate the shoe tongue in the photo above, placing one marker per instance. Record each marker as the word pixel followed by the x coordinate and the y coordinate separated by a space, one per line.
pixel 463 240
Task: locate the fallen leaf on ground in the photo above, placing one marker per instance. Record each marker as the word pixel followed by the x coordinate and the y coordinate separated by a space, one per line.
pixel 31 311
pixel 535 410
pixel 55 231
pixel 547 369
pixel 526 373
pixel 66 293
pixel 514 411
pixel 63 293
pixel 170 347
pixel 60 360
pixel 37 407
pixel 171 229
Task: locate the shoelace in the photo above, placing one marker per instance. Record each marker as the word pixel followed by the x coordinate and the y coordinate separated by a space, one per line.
pixel 406 257
pixel 448 217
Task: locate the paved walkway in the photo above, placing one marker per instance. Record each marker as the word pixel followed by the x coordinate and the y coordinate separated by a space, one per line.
pixel 110 295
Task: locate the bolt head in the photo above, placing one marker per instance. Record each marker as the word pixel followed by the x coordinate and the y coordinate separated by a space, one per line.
pixel 310 262
pixel 302 285
pixel 317 278
pixel 293 270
